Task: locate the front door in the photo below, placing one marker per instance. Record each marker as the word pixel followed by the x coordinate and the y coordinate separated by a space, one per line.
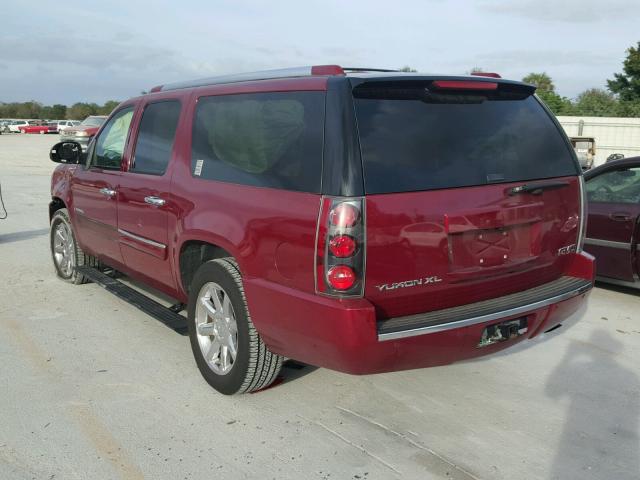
pixel 94 190
pixel 612 226
pixel 144 195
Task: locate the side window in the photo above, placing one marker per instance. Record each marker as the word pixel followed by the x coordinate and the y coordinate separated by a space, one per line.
pixel 109 146
pixel 155 137
pixel 618 186
pixel 262 139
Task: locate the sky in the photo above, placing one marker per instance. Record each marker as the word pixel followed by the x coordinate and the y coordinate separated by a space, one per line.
pixel 65 52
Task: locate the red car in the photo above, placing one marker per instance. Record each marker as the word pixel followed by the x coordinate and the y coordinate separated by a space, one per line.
pixel 613 231
pixel 84 132
pixel 40 128
pixel 364 221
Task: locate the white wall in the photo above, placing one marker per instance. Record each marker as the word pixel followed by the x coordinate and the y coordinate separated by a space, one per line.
pixel 613 135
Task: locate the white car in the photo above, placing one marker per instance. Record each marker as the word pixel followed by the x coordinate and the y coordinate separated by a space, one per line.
pixel 14 127
pixel 64 124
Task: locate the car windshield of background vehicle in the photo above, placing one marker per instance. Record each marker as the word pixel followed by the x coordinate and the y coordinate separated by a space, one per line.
pixel 263 139
pixel 155 137
pixel 110 144
pixel 93 121
pixel 618 186
pixel 410 142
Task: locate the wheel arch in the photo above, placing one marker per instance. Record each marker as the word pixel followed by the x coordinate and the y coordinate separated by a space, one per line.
pixel 192 253
pixel 55 204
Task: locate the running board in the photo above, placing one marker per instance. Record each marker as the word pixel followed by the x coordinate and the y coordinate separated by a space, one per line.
pixel 149 306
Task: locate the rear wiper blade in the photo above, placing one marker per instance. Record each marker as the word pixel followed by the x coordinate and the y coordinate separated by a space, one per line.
pixel 536 188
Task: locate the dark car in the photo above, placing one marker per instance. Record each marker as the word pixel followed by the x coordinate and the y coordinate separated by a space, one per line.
pixel 613 228
pixel 356 220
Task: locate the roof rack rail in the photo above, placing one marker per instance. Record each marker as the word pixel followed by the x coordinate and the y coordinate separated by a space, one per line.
pixel 266 75
pixel 250 76
pixel 360 69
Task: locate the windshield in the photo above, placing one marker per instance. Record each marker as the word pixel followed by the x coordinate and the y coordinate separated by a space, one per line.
pixel 93 121
pixel 413 142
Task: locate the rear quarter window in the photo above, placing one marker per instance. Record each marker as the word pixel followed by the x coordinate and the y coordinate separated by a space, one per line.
pixel 265 139
pixel 409 144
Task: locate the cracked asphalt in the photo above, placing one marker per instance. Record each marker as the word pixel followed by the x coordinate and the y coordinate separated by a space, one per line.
pixel 92 388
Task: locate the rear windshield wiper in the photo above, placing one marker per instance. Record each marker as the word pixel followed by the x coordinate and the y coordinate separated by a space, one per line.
pixel 536 188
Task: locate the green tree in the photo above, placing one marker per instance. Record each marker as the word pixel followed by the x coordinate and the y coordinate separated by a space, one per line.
pixel 627 84
pixel 58 111
pixel 108 107
pixel 30 109
pixel 80 110
pixel 542 81
pixel 557 104
pixel 596 102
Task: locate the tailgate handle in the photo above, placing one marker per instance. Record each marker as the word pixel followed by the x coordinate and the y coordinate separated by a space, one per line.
pixel 536 188
pixel 620 216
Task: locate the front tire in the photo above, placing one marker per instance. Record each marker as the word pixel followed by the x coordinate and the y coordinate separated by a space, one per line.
pixel 65 252
pixel 227 348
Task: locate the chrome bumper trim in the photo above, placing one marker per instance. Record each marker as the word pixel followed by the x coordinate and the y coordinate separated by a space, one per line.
pixel 442 327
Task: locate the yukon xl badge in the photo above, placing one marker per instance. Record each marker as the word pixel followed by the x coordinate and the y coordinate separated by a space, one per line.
pixel 567 250
pixel 409 283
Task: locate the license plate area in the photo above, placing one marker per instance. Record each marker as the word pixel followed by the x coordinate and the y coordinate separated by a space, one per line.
pixel 501 332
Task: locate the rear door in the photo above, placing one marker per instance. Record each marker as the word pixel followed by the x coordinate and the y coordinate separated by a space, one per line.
pixel 612 229
pixel 472 193
pixel 144 194
pixel 94 189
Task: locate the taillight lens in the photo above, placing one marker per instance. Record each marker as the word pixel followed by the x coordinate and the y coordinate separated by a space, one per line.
pixel 342 246
pixel 340 252
pixel 341 277
pixel 344 215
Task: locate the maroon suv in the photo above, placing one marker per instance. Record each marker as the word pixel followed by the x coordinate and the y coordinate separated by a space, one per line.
pixel 364 221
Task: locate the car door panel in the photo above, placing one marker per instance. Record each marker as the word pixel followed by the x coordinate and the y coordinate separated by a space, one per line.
pixel 144 195
pixel 94 189
pixel 612 225
pixel 95 211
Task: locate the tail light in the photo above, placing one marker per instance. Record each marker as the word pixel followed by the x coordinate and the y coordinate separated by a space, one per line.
pixel 340 247
pixel 582 229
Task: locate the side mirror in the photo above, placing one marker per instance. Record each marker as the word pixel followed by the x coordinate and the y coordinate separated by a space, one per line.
pixel 66 152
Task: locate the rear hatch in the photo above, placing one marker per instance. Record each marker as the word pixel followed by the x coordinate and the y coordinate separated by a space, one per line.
pixel 472 192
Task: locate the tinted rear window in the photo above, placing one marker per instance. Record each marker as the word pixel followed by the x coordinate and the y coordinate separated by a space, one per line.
pixel 263 139
pixel 411 143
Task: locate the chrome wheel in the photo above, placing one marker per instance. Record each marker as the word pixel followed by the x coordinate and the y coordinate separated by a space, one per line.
pixel 216 328
pixel 63 249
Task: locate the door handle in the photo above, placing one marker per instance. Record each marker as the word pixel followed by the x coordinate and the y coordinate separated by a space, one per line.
pixel 109 192
pixel 155 201
pixel 620 217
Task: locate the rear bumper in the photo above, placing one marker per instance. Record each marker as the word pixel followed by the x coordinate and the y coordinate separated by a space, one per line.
pixel 344 335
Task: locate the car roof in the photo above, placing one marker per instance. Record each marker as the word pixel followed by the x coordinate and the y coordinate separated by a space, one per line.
pixel 613 165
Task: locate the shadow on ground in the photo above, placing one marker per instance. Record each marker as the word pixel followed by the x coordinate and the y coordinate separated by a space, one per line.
pixel 599 439
pixel 20 236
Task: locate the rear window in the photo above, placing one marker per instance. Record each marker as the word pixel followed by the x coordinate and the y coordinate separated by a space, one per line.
pixel 413 142
pixel 264 139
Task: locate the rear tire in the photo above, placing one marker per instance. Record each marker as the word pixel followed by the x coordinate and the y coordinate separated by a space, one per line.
pixel 216 331
pixel 65 252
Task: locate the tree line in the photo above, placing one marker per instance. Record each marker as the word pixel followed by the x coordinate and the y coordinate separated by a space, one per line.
pixel 36 110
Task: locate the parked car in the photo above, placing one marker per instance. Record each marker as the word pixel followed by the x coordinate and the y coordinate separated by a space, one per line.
pixel 64 124
pixel 14 127
pixel 615 156
pixel 613 228
pixel 290 231
pixel 85 131
pixel 40 128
